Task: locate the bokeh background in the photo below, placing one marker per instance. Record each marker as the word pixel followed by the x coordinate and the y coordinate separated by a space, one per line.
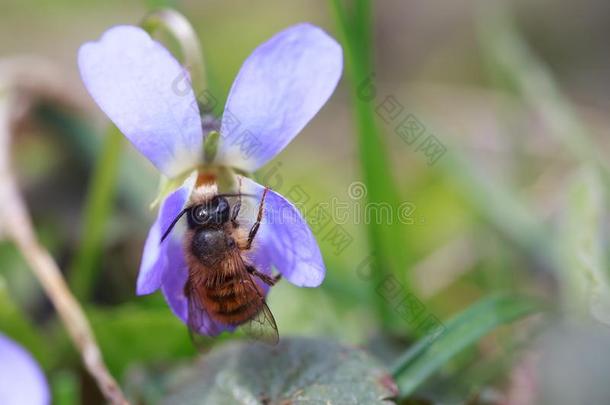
pixel 515 91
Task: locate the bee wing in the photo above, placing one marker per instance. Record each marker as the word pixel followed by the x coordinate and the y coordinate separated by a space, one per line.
pixel 261 326
pixel 197 328
pixel 199 321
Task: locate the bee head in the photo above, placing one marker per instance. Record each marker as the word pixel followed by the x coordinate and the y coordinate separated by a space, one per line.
pixel 210 214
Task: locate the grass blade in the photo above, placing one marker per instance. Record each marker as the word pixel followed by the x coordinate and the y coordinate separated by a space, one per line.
pixel 504 209
pixel 427 356
pixel 585 284
pixel 510 58
pixel 98 207
pixel 388 241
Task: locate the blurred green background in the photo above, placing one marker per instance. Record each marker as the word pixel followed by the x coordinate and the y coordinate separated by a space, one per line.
pixel 515 91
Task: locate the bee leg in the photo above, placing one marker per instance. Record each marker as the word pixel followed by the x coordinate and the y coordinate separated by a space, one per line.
pixel 270 281
pixel 257 224
pixel 236 207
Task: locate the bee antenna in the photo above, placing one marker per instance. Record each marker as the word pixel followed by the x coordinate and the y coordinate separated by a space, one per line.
pixel 174 222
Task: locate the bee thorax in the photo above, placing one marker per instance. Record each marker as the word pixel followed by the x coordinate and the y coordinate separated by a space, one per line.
pixel 210 245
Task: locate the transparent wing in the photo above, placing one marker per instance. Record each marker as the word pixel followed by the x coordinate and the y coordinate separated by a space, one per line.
pixel 261 326
pixel 199 320
pixel 198 331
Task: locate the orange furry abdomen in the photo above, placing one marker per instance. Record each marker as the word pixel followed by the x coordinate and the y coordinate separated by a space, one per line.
pixel 224 290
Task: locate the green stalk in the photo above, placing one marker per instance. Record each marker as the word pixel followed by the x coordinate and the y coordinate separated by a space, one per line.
pixel 510 58
pixel 388 242
pixel 182 31
pixel 500 207
pixel 584 275
pixel 98 207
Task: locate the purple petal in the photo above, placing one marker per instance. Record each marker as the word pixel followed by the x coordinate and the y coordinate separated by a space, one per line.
pixel 147 94
pixel 174 280
pixel 154 257
pixel 21 379
pixel 262 260
pixel 278 90
pixel 285 240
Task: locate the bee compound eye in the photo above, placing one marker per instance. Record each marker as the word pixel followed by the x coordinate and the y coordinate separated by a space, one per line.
pixel 201 214
pixel 223 210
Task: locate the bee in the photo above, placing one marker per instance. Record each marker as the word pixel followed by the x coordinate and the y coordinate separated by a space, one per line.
pixel 221 283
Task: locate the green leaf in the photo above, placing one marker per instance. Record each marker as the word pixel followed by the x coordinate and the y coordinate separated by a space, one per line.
pixel 129 335
pixel 429 354
pixel 585 280
pixel 297 370
pixel 65 387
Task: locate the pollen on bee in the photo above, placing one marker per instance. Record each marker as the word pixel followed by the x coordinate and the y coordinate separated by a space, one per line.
pixel 205 178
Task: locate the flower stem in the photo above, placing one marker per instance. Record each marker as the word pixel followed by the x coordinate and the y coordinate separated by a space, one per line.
pixel 39 80
pixel 182 31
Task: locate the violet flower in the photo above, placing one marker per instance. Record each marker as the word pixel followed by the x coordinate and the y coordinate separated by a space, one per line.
pixel 278 90
pixel 21 379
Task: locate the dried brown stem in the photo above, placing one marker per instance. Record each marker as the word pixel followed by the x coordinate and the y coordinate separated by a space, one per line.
pixel 22 81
